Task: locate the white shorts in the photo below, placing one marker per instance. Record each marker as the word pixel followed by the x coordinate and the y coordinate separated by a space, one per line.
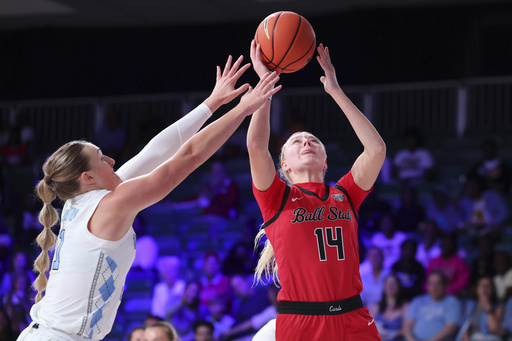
pixel 267 332
pixel 36 332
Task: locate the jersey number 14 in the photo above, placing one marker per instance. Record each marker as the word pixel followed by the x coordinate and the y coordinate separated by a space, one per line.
pixel 326 236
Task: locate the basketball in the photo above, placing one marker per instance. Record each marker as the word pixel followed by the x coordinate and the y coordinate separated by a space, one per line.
pixel 287 41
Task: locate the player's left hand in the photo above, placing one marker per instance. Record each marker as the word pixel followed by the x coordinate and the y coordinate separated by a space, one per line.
pixel 224 90
pixel 329 79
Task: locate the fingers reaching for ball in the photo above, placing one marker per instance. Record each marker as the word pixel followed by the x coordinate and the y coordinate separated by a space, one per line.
pixel 258 65
pixel 255 97
pixel 225 86
pixel 324 59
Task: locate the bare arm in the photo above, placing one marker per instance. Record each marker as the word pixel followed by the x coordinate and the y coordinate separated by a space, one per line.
pixel 263 170
pixel 367 166
pixel 448 330
pixel 407 329
pixel 130 197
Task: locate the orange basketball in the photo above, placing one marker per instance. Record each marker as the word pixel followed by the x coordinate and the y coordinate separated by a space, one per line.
pixel 287 41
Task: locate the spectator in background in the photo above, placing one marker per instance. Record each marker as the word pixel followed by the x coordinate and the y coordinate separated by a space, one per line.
pixel 483 263
pixel 503 277
pixel 429 246
pixel 144 265
pixel 496 171
pixel 435 315
pixel 442 210
pixel 256 321
pixel 137 334
pixel 371 211
pixel 19 266
pixel 506 324
pixel 14 151
pixel 452 266
pixel 409 271
pixel 221 196
pixel 249 300
pixel 213 282
pixel 161 331
pixel 240 259
pixel 219 317
pixel 483 210
pixel 168 292
pixel 17 302
pixel 389 240
pixel 184 314
pixel 410 212
pixel 151 320
pixel 413 163
pixel 484 315
pixel 203 331
pixel 373 280
pixel 390 310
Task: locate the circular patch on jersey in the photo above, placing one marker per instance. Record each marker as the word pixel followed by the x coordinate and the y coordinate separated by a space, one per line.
pixel 338 197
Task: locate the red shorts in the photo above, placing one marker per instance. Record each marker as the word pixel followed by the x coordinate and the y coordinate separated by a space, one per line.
pixel 354 325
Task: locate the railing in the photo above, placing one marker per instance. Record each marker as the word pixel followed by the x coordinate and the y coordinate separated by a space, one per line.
pixel 451 108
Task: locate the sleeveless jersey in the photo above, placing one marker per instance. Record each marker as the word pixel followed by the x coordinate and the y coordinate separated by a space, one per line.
pixel 87 274
pixel 313 230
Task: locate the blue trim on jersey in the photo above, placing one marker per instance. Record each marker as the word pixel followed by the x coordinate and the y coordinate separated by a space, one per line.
pixel 107 289
pixel 111 263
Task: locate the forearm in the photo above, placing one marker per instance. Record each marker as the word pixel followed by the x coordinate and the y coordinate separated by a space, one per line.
pixel 258 133
pixel 446 332
pixel 407 331
pixel 164 145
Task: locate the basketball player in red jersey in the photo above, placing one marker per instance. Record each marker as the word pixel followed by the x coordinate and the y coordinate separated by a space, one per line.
pixel 312 246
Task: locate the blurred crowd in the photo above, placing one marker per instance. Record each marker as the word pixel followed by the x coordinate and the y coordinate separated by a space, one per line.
pixel 435 257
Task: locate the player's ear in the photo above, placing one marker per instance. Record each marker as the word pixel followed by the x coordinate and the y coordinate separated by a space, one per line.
pixel 285 167
pixel 87 178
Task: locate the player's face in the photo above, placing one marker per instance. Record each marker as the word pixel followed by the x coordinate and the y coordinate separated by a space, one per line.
pixel 137 335
pixel 484 287
pixel 102 168
pixel 435 287
pixel 304 151
pixel 391 286
pixel 203 333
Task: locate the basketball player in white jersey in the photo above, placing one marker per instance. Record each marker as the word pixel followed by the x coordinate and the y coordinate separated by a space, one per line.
pixel 96 243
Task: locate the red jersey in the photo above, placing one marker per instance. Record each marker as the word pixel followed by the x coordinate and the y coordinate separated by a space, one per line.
pixel 313 230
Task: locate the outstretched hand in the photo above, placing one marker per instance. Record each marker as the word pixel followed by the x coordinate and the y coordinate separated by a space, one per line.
pixel 255 97
pixel 224 90
pixel 257 63
pixel 329 79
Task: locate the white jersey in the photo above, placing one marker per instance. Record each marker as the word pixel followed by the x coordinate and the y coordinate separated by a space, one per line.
pixel 87 274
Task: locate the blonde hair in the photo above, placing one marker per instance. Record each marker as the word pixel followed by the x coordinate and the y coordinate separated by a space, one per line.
pixel 169 330
pixel 267 265
pixel 62 171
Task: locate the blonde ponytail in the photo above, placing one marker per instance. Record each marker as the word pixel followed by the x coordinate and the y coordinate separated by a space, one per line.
pixel 267 266
pixel 46 239
pixel 62 172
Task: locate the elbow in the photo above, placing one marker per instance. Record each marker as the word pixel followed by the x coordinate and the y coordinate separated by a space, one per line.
pixel 378 151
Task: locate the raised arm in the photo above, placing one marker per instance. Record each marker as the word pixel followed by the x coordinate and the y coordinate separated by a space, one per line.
pixel 263 169
pixel 133 195
pixel 367 166
pixel 164 145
